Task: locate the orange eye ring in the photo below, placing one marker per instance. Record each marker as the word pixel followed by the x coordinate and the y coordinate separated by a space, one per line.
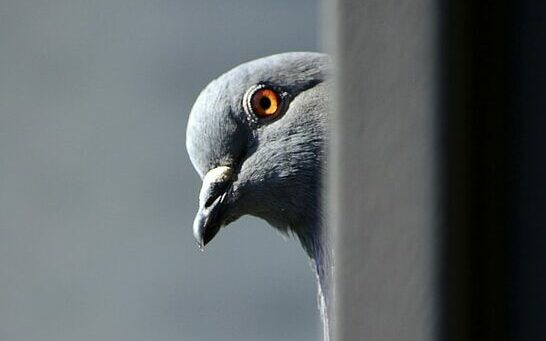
pixel 265 102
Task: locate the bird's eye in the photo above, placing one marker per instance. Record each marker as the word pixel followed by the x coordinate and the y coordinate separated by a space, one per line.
pixel 265 102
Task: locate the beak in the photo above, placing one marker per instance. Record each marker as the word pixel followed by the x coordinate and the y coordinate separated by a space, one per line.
pixel 209 220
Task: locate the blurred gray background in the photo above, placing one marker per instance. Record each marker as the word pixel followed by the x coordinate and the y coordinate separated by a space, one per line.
pixel 97 194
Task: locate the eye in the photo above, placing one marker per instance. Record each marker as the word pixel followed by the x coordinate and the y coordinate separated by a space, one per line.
pixel 265 102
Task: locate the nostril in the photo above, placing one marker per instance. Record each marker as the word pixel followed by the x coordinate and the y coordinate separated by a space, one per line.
pixel 212 199
pixel 213 192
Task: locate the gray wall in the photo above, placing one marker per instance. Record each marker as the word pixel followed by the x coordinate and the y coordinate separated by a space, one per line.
pixel 97 194
pixel 383 176
pixel 438 163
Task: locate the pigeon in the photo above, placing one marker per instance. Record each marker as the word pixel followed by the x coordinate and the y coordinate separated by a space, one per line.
pixel 257 137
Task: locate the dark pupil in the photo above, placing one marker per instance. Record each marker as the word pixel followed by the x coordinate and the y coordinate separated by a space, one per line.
pixel 265 103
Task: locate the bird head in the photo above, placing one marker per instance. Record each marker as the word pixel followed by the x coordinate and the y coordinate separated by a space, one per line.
pixel 255 135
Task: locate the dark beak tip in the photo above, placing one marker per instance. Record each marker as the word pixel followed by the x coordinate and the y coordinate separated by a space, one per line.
pixel 202 242
pixel 200 245
pixel 209 235
pixel 204 234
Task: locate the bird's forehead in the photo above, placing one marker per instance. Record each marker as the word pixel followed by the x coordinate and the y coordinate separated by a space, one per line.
pixel 213 137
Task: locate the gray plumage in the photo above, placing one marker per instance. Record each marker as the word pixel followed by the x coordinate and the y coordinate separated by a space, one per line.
pixel 270 168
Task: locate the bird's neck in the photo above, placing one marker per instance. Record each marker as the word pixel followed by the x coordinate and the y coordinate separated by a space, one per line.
pixel 316 244
pixel 317 248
